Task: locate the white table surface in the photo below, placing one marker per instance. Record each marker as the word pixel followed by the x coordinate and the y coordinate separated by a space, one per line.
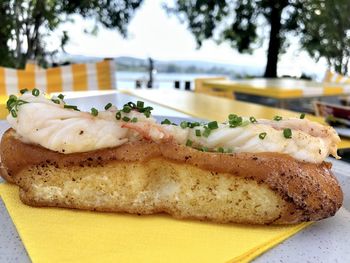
pixel 324 241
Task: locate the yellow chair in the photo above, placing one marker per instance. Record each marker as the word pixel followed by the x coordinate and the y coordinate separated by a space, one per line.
pixel 75 77
pixel 341 79
pixel 199 87
pixel 336 78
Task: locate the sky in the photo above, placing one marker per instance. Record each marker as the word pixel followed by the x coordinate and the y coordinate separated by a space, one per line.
pixel 152 33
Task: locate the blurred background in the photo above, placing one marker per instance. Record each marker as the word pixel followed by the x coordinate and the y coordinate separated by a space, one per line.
pixel 179 40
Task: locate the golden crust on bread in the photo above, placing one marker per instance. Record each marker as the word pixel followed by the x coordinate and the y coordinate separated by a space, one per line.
pixel 145 177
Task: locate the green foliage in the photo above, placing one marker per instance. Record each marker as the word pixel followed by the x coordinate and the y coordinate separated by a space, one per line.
pixel 236 22
pixel 326 32
pixel 6 25
pixel 25 24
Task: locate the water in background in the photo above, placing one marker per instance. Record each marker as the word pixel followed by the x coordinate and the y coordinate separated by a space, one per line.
pixel 126 80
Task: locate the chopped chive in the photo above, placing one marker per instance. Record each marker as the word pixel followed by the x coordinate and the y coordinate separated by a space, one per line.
pixel 287 133
pixel 253 120
pixel 221 150
pixel 60 96
pixel 206 132
pixel 302 116
pixel 11 102
pixel 70 107
pixel 234 120
pixel 198 133
pixel 35 92
pixel 213 125
pixel 140 104
pixel 195 124
pixel 126 109
pixel 229 150
pixel 14 113
pixel 189 143
pixel 147 109
pixel 277 118
pixel 108 105
pixel 147 114
pixel 183 124
pixel 22 91
pixel 55 101
pixel 118 115
pixel 94 112
pixel 166 121
pixel 126 119
pixel 204 149
pixel 232 116
pixel 134 119
pixel 12 97
pixel 131 104
pixel 262 135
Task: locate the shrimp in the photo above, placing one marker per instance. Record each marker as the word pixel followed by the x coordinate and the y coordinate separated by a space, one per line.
pixel 64 130
pixel 313 128
pixel 327 133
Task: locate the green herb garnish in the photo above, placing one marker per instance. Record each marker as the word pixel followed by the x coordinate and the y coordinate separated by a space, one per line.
pixel 193 124
pixel 94 112
pixel 134 119
pixel 184 124
pixel 287 133
pixel 132 105
pixel 262 135
pixel 14 113
pixel 166 121
pixel 204 149
pixel 302 116
pixel 22 91
pixel 147 114
pixel 221 150
pixel 35 92
pixel 213 125
pixel 126 119
pixel 189 143
pixel 73 107
pixel 12 104
pixel 198 133
pixel 253 120
pixel 206 132
pixel 118 115
pixel 60 96
pixel 234 120
pixel 277 118
pixel 108 105
pixel 55 101
pixel 126 109
pixel 140 104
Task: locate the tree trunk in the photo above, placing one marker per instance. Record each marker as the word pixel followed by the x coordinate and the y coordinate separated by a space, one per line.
pixel 274 42
pixel 17 9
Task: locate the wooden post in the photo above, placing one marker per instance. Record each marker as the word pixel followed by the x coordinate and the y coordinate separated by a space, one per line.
pixel 187 85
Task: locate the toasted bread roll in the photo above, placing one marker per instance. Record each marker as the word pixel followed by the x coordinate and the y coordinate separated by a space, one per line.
pixel 145 177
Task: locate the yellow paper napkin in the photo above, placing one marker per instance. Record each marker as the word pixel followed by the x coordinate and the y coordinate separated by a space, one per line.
pixel 63 235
